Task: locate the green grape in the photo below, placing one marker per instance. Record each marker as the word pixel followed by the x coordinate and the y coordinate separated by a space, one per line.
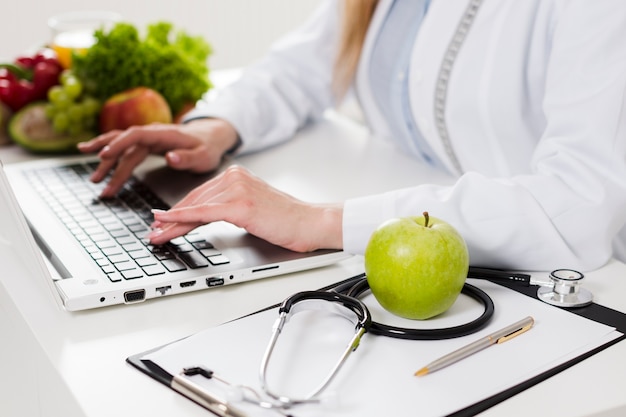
pixel 54 93
pixel 50 111
pixel 69 110
pixel 73 87
pixel 74 129
pixel 75 113
pixel 65 75
pixel 60 122
pixel 92 105
pixel 61 100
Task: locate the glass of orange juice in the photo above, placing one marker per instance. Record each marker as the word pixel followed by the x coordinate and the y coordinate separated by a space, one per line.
pixel 73 31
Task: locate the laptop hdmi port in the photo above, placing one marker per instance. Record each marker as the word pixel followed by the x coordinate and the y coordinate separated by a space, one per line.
pixel 187 284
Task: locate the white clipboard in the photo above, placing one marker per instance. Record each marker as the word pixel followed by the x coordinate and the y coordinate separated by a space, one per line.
pixel 378 377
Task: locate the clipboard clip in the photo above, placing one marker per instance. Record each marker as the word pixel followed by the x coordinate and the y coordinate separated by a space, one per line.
pixel 223 406
pixel 195 392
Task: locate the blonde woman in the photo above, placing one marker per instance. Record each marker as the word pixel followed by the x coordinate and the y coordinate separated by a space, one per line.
pixel 523 100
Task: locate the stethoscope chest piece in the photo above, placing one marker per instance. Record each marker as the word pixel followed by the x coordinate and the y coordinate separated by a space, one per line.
pixel 566 290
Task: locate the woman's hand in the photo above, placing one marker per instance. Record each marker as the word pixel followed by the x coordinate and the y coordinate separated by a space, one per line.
pixel 197 146
pixel 244 200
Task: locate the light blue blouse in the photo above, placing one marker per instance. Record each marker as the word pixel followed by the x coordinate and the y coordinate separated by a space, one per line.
pixel 389 66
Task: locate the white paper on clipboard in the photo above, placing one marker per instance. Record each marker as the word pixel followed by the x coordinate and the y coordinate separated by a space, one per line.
pixel 378 377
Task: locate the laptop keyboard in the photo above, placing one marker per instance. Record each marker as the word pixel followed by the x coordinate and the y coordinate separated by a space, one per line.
pixel 113 231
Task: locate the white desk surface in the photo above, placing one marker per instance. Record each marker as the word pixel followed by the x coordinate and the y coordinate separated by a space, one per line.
pixel 56 363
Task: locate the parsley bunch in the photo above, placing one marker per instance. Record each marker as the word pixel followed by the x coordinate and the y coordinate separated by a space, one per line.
pixel 174 64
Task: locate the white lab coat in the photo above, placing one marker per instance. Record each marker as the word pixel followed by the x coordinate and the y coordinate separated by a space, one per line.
pixel 535 112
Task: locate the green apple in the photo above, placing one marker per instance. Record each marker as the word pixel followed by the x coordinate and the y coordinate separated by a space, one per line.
pixel 416 266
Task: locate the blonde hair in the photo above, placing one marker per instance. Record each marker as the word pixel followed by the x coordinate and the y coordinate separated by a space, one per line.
pixel 357 15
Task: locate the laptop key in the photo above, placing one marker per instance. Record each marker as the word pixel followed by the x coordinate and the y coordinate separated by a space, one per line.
pixel 138 228
pixel 115 277
pixel 154 270
pixel 203 244
pixel 139 254
pixel 103 262
pixel 193 259
pixel 121 257
pixel 91 248
pixel 104 242
pixel 116 250
pixel 132 247
pixel 146 261
pixel 119 232
pixel 125 266
pixel 183 247
pixel 210 252
pixel 124 240
pixel 107 218
pixel 173 265
pixel 132 273
pixel 130 220
pixel 218 260
pixel 161 252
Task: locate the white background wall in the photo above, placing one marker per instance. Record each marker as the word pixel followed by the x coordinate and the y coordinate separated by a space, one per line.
pixel 240 31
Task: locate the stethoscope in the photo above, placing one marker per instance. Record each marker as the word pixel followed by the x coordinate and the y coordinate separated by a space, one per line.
pixel 563 290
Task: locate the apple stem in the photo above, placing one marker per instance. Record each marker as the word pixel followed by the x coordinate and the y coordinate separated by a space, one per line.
pixel 426 219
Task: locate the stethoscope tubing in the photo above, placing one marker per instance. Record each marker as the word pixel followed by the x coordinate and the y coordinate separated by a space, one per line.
pixel 358 285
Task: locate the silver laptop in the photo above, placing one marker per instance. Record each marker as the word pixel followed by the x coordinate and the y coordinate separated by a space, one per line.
pixel 97 252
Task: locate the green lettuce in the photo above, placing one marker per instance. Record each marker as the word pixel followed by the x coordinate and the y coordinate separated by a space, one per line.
pixel 174 64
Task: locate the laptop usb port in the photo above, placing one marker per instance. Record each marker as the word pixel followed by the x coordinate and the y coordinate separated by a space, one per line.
pixel 214 281
pixel 187 284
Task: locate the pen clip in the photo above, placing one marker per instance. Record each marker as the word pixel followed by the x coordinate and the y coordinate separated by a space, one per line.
pixel 514 333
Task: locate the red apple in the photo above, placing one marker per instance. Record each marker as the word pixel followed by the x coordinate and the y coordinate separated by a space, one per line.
pixel 136 106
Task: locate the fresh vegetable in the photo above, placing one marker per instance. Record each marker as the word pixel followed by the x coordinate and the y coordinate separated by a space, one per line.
pixel 28 78
pixel 175 65
pixel 31 128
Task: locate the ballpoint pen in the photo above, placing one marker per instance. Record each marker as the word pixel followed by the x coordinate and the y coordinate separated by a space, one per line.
pixel 500 336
